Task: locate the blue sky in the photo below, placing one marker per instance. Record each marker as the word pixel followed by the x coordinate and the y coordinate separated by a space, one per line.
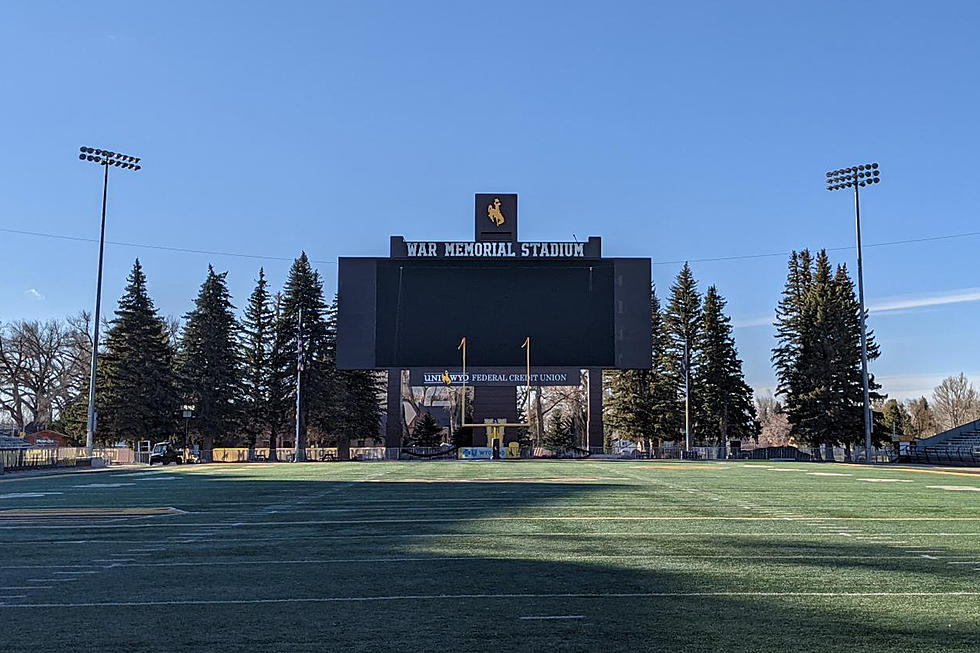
pixel 673 130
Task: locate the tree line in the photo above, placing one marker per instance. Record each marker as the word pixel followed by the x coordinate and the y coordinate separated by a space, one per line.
pixel 817 360
pixel 239 373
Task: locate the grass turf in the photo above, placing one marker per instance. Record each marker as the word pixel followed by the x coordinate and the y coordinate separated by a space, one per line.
pixel 571 556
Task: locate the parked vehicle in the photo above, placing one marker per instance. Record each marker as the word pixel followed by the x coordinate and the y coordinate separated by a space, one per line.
pixel 165 453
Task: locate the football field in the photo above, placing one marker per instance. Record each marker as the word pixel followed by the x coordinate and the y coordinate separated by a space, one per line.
pixel 498 556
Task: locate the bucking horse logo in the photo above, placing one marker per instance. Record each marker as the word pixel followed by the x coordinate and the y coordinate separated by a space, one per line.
pixel 493 211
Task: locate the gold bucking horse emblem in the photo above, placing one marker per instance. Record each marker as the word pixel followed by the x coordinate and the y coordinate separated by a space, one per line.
pixel 448 380
pixel 493 211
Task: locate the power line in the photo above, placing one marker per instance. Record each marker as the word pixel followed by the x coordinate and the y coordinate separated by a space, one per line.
pixel 829 249
pixel 165 248
pixel 266 257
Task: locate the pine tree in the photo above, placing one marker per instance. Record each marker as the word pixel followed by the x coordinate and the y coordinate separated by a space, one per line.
pixel 209 362
pixel 848 378
pixel 281 379
pixel 683 322
pixel 139 397
pixel 303 296
pixel 559 435
pixel 791 327
pixel 818 358
pixel 426 432
pixel 725 401
pixel 258 331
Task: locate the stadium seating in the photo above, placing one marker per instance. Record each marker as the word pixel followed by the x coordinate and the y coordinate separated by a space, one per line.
pixel 960 445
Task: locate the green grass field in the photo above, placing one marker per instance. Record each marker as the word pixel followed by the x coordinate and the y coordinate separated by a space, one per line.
pixel 476 556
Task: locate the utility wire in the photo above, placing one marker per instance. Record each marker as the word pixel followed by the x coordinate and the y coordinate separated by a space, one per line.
pixel 166 248
pixel 266 257
pixel 829 249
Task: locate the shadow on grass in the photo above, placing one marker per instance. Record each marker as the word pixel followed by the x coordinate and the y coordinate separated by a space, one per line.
pixel 457 579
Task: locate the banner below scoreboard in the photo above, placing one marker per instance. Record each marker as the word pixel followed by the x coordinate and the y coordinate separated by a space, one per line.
pixel 495 377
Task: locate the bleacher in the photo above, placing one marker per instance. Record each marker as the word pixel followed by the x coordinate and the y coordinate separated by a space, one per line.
pixel 957 446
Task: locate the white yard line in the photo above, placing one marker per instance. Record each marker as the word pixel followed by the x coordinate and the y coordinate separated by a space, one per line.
pixel 25 587
pixel 399 559
pixel 557 616
pixel 440 520
pixel 570 535
pixel 458 597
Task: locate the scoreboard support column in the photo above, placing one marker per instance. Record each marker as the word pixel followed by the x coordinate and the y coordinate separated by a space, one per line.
pixel 393 425
pixel 595 434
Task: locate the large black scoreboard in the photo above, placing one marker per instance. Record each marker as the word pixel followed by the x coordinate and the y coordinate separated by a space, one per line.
pixel 412 309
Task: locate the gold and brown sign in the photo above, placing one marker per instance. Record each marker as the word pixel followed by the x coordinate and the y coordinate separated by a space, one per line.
pixel 496 217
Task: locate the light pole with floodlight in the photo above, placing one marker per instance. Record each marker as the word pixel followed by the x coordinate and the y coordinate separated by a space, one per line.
pixel 855 177
pixel 104 158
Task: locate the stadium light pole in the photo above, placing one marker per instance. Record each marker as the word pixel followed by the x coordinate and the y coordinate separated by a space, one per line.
pixel 104 158
pixel 299 445
pixel 859 176
pixel 687 398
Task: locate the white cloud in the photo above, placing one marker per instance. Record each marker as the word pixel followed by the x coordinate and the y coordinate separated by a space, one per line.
pixel 906 302
pixel 34 294
pixel 739 323
pixel 911 386
pixel 886 305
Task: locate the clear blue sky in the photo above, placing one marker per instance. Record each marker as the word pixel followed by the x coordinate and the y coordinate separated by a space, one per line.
pixel 674 130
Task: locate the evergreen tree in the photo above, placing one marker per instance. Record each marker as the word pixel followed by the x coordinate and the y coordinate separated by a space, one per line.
pixel 139 395
pixel 894 418
pixel 281 378
pixel 559 434
pixel 725 401
pixel 818 358
pixel 209 362
pixel 303 297
pixel 683 322
pixel 426 432
pixel 791 325
pixel 258 332
pixel 845 330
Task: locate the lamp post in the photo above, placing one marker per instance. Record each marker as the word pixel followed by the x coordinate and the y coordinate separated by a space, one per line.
pixel 187 412
pixel 104 158
pixel 855 177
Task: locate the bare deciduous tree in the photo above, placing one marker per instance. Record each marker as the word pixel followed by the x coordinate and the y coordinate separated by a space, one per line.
pixel 772 419
pixel 42 367
pixel 955 401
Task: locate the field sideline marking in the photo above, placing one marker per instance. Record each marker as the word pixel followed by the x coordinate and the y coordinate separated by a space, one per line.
pixel 456 597
pixel 586 556
pixel 649 534
pixel 440 520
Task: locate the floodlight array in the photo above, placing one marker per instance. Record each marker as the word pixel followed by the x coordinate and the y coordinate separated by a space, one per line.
pixel 865 174
pixel 109 158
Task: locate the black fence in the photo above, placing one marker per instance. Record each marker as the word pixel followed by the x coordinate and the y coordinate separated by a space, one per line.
pixel 944 456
